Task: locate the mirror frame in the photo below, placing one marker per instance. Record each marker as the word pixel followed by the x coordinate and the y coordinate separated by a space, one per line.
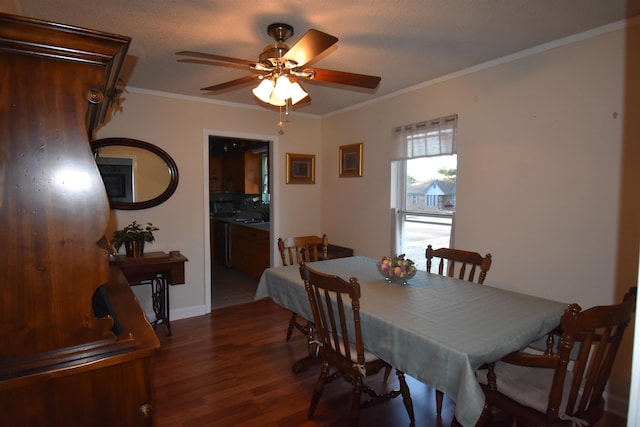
pixel 173 171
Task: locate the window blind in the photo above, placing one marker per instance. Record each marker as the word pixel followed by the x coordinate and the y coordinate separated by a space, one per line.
pixel 435 137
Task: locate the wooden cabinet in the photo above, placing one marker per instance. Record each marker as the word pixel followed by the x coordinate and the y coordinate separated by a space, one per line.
pixel 249 249
pixel 252 173
pixel 216 174
pixel 63 361
pixel 335 251
pixel 236 172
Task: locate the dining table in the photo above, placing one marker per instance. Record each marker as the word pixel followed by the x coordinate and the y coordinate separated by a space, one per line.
pixel 437 329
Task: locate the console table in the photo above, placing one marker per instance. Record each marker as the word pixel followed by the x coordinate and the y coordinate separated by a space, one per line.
pixel 335 251
pixel 157 269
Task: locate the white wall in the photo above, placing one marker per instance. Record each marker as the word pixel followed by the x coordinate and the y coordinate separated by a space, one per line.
pixel 538 167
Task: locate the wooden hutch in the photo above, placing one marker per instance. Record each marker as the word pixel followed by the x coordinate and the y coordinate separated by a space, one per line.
pixel 76 347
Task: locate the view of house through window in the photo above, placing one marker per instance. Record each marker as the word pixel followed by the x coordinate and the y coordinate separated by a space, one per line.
pixel 429 203
pixel 424 166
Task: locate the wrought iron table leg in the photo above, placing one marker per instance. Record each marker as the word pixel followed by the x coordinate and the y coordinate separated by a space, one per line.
pixel 160 301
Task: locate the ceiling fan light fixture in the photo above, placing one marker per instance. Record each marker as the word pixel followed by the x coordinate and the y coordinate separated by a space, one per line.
pixel 278 102
pixel 286 89
pixel 297 93
pixel 278 93
pixel 263 90
pixel 283 88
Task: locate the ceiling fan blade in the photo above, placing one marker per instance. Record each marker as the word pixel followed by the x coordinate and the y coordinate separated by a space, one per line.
pixel 344 78
pixel 310 45
pixel 213 57
pixel 231 83
pixel 216 63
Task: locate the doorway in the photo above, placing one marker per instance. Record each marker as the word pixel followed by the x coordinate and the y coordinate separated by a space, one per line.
pixel 235 190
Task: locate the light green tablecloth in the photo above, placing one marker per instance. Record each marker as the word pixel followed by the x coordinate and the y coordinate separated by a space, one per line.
pixel 437 329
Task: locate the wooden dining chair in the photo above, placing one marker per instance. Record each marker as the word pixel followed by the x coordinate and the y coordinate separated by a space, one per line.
pixel 565 383
pixel 339 344
pixel 460 264
pixel 294 250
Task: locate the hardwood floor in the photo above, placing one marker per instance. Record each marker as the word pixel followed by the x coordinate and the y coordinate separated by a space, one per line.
pixel 232 367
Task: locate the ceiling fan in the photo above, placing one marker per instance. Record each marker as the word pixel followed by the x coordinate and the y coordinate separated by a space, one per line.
pixel 280 67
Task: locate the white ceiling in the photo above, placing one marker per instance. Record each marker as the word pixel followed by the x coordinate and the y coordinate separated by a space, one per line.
pixel 405 42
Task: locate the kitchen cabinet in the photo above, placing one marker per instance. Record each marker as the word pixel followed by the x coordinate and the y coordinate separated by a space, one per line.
pixel 220 239
pixel 248 249
pixel 236 172
pixel 216 175
pixel 252 173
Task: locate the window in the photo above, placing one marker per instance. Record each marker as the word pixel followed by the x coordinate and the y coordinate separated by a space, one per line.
pixel 424 169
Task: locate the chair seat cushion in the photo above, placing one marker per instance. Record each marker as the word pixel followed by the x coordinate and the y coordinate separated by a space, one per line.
pixel 370 359
pixel 368 356
pixel 529 386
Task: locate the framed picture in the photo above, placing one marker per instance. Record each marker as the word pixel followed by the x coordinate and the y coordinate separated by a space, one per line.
pixel 351 160
pixel 301 168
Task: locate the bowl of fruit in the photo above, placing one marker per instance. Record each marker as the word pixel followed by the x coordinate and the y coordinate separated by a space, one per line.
pixel 397 269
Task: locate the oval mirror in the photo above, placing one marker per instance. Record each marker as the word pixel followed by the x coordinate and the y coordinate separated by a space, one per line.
pixel 136 174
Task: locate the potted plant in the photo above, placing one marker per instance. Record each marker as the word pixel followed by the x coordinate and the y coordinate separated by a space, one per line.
pixel 133 237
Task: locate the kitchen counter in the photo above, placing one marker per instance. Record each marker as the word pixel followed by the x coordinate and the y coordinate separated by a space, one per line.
pixel 258 224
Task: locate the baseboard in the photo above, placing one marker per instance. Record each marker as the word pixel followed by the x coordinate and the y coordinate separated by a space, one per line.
pixel 185 313
pixel 616 405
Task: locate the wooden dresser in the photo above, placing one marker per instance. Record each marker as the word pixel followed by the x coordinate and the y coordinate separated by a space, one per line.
pixel 76 349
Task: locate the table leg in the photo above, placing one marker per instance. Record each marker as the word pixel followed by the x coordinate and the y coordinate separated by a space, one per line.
pixel 160 301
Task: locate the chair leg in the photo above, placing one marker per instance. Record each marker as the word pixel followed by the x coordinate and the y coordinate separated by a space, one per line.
pixel 387 371
pixel 318 389
pixel 311 345
pixel 439 396
pixel 355 404
pixel 406 396
pixel 292 324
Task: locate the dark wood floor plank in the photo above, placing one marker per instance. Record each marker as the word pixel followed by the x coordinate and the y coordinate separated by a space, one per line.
pixel 232 368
